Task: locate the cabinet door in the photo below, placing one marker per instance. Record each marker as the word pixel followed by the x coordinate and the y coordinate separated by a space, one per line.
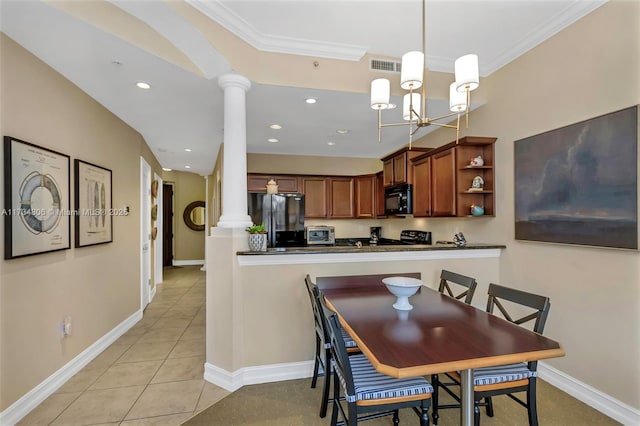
pixel 315 197
pixel 341 197
pixel 287 183
pixel 365 196
pixel 443 168
pixel 400 168
pixel 257 182
pixel 387 172
pixel 379 198
pixel 422 188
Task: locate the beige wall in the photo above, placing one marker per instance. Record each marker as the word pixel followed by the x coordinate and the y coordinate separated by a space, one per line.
pixel 187 188
pixel 587 70
pixel 98 286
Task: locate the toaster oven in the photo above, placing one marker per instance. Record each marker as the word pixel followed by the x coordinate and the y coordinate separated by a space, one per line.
pixel 320 235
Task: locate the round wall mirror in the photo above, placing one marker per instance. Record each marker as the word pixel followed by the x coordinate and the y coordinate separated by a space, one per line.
pixel 194 215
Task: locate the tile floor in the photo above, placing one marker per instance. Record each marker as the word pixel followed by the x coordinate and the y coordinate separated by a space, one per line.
pixel 152 375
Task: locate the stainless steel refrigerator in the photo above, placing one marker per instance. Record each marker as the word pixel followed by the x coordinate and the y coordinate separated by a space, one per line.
pixel 282 215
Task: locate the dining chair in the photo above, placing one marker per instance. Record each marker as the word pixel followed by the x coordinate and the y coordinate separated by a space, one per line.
pixel 323 346
pixel 467 283
pixel 510 378
pixel 460 287
pixel 369 394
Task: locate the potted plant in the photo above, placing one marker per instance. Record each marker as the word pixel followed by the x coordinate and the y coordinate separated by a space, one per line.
pixel 257 237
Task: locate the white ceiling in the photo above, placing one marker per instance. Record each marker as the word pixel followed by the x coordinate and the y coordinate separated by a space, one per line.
pixel 183 110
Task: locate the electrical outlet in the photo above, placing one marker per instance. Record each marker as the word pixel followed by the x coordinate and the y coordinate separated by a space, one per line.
pixel 66 326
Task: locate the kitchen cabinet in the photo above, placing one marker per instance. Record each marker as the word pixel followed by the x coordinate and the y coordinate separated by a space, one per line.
pixel 379 201
pixel 341 197
pixel 365 200
pixel 395 166
pixel 286 183
pixel 443 179
pixel 315 196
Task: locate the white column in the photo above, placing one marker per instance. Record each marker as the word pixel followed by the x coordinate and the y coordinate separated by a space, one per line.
pixel 234 179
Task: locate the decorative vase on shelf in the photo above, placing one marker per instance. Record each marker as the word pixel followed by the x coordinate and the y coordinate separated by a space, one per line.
pixel 257 238
pixel 477 210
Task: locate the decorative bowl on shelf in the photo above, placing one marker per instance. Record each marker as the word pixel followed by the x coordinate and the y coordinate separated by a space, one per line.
pixel 402 288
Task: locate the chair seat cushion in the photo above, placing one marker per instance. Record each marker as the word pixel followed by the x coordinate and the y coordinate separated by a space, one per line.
pixel 348 340
pixel 501 374
pixel 369 384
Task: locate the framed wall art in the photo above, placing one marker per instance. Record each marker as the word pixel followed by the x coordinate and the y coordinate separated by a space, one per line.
pixel 36 199
pixel 94 212
pixel 578 184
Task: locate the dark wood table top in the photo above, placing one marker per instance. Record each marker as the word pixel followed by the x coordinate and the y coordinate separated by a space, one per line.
pixel 439 334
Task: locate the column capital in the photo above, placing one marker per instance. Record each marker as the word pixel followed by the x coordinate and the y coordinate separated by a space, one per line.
pixel 234 80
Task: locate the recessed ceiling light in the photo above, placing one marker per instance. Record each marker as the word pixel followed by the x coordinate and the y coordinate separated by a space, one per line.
pixel 116 62
pixel 143 85
pixel 311 100
pixel 275 127
pixel 166 169
pixel 188 149
pixel 187 167
pixel 273 140
pixel 343 131
pixel 331 143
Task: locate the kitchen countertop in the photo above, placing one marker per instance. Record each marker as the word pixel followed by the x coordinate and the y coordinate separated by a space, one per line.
pixel 368 249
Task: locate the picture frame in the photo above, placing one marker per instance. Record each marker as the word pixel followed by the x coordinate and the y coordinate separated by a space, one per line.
pixel 578 184
pixel 36 199
pixel 93 204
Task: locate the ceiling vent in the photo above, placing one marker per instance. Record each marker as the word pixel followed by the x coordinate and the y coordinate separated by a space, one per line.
pixel 383 65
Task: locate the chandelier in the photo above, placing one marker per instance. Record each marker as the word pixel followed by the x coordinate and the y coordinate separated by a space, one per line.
pixel 412 77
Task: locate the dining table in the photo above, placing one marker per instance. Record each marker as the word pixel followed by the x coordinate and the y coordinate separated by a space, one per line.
pixel 438 335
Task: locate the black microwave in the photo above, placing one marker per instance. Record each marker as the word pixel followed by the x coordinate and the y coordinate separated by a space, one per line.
pixel 398 199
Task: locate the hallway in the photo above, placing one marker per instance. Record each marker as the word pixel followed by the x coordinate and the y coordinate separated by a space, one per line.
pixel 152 375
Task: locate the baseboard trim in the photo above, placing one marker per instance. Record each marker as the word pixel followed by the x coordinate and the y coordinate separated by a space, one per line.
pixel 233 381
pixel 19 409
pixel 600 401
pixel 187 262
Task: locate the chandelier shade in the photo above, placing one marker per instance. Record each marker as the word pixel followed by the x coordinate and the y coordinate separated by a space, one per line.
pixel 457 100
pixel 466 71
pixel 380 90
pixel 412 71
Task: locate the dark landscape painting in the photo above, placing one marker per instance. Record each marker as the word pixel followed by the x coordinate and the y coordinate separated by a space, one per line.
pixel 578 185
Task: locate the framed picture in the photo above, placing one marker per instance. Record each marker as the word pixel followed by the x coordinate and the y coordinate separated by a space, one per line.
pixel 94 212
pixel 36 199
pixel 578 184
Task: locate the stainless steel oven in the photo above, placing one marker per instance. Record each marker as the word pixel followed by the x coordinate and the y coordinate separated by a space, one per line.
pixel 320 235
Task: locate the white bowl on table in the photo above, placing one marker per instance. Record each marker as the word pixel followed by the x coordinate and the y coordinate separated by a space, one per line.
pixel 403 288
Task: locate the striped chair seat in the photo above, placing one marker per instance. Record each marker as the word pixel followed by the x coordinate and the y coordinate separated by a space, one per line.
pixel 369 384
pixel 501 374
pixel 348 341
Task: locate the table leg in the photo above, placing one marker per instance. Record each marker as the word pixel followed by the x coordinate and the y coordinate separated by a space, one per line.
pixel 466 409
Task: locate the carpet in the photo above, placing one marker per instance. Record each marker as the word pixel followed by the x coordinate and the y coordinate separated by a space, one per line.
pixel 294 403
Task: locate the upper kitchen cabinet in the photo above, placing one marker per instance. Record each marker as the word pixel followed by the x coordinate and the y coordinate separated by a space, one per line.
pixel 366 197
pixel 475 175
pixel 395 167
pixel 330 197
pixel 448 180
pixel 286 183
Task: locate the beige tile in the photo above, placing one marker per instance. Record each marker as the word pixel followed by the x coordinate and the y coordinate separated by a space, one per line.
pixel 210 395
pixel 83 379
pixel 99 406
pixel 171 323
pixel 194 332
pixel 127 374
pixel 180 369
pixel 167 398
pixel 188 348
pixel 171 420
pixel 109 355
pixel 49 409
pixel 179 314
pixel 162 335
pixel 147 351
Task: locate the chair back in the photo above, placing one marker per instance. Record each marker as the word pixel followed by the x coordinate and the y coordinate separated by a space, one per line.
pixel 339 351
pixel 469 284
pixel 318 316
pixel 539 304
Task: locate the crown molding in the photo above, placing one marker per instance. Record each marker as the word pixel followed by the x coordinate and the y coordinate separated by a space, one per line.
pixel 277 44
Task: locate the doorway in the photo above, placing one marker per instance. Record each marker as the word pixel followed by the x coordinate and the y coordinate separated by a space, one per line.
pixel 145 233
pixel 167 224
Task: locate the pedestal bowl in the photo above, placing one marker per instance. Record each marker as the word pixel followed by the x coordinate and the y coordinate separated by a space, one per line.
pixel 402 288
